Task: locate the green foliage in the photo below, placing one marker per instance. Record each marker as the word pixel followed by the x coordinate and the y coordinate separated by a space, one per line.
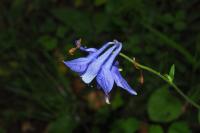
pixel 170 76
pixel 74 20
pixel 199 116
pixel 179 127
pixel 99 2
pixel 36 87
pixel 163 107
pixel 117 101
pixel 61 31
pixel 48 42
pixel 129 125
pixel 172 72
pixel 63 124
pixel 2 130
pixel 155 129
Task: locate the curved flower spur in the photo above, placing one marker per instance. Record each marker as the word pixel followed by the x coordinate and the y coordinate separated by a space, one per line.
pixel 80 65
pixel 101 64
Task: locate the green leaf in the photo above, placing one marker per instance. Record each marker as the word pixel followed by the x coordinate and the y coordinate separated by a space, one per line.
pixel 48 42
pixel 64 124
pixel 130 125
pixel 179 127
pixel 168 77
pixel 172 72
pixel 163 107
pixel 155 129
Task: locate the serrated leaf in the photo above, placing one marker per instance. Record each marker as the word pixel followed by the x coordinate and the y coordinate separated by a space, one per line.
pixel 172 72
pixel 179 127
pixel 155 129
pixel 163 106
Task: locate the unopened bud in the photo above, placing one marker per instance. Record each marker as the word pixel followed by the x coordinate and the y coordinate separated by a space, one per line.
pixel 141 79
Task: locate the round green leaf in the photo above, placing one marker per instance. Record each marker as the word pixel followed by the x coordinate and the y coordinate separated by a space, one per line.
pixel 155 129
pixel 179 127
pixel 163 106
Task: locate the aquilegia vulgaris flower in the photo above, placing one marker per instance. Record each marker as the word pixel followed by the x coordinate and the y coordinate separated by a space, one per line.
pixel 100 64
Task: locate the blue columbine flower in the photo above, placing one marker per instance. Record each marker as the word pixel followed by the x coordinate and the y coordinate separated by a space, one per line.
pixel 102 66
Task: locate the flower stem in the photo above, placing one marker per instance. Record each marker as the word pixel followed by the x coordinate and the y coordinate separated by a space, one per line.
pixel 162 77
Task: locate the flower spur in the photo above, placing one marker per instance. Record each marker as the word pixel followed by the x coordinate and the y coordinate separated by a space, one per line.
pixel 80 65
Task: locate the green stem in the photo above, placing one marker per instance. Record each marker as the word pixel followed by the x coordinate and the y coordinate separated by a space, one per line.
pixel 162 77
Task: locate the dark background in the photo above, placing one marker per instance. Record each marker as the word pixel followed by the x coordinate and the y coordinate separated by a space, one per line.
pixel 38 94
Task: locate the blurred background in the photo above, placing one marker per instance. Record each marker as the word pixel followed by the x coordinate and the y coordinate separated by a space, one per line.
pixel 38 94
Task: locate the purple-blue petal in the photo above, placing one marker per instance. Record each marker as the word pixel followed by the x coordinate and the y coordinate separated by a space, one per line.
pixel 105 80
pixel 95 66
pixel 89 50
pixel 111 59
pixel 78 65
pixel 99 51
pixel 120 81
